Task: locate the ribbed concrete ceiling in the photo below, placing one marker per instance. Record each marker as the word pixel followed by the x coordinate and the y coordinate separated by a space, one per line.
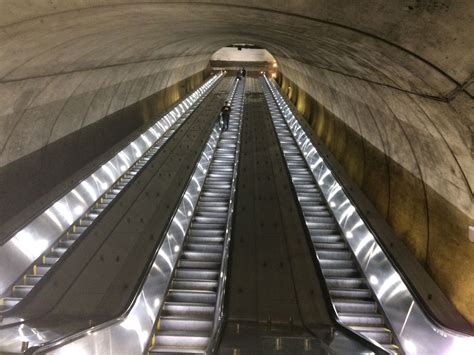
pixel 47 42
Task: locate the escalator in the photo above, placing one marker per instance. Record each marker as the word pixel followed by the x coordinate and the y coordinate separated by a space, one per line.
pixel 366 289
pixel 353 301
pixel 77 211
pixel 178 305
pixel 187 321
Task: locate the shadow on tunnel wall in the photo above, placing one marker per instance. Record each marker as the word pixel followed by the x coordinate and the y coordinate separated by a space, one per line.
pixel 427 223
pixel 29 184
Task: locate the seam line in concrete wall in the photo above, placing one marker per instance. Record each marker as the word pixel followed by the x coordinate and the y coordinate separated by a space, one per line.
pixel 466 181
pixel 426 96
pixel 422 179
pixel 98 68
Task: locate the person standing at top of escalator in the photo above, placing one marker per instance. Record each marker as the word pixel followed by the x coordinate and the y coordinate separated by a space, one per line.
pixel 225 114
pixel 243 72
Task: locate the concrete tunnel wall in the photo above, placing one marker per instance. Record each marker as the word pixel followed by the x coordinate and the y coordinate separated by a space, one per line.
pixel 393 82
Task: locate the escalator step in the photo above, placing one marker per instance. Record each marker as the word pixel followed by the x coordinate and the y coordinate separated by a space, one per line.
pixel 349 272
pixel 199 274
pixel 345 282
pixel 354 293
pixel 168 342
pixel 185 323
pixel 355 306
pixel 357 319
pixel 188 309
pixel 21 290
pixel 379 334
pixel 194 284
pixel 207 247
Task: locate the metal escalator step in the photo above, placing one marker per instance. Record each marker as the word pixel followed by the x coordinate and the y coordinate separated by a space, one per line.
pixel 195 264
pixel 316 213
pixel 353 293
pixel 209 219
pixel 10 301
pixel 212 194
pixel 78 229
pixel 211 213
pixel 21 290
pixel 224 176
pixel 169 342
pixel 186 323
pixel 315 208
pixel 189 296
pixel 314 225
pixel 349 272
pixel 207 247
pixel 215 199
pixel 297 180
pixel 212 208
pixel 217 185
pixel 336 263
pixel 329 220
pixel 310 188
pixel 92 215
pixel 331 246
pixel 188 309
pixel 207 226
pixel 57 251
pixel 358 319
pixel 200 274
pixel 194 284
pixel 206 232
pixel 379 334
pixel 50 260
pixel 323 231
pixel 345 282
pixel 313 198
pixel 85 222
pixel 225 168
pixel 317 239
pixel 42 269
pixel 334 254
pixel 73 236
pixel 65 243
pixel 203 240
pixel 355 306
pixel 31 279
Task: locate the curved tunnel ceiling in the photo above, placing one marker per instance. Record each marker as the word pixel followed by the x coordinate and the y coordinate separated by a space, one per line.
pixel 398 73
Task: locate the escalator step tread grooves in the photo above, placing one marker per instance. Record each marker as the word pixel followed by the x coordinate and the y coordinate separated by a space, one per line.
pixel 186 320
pixel 353 300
